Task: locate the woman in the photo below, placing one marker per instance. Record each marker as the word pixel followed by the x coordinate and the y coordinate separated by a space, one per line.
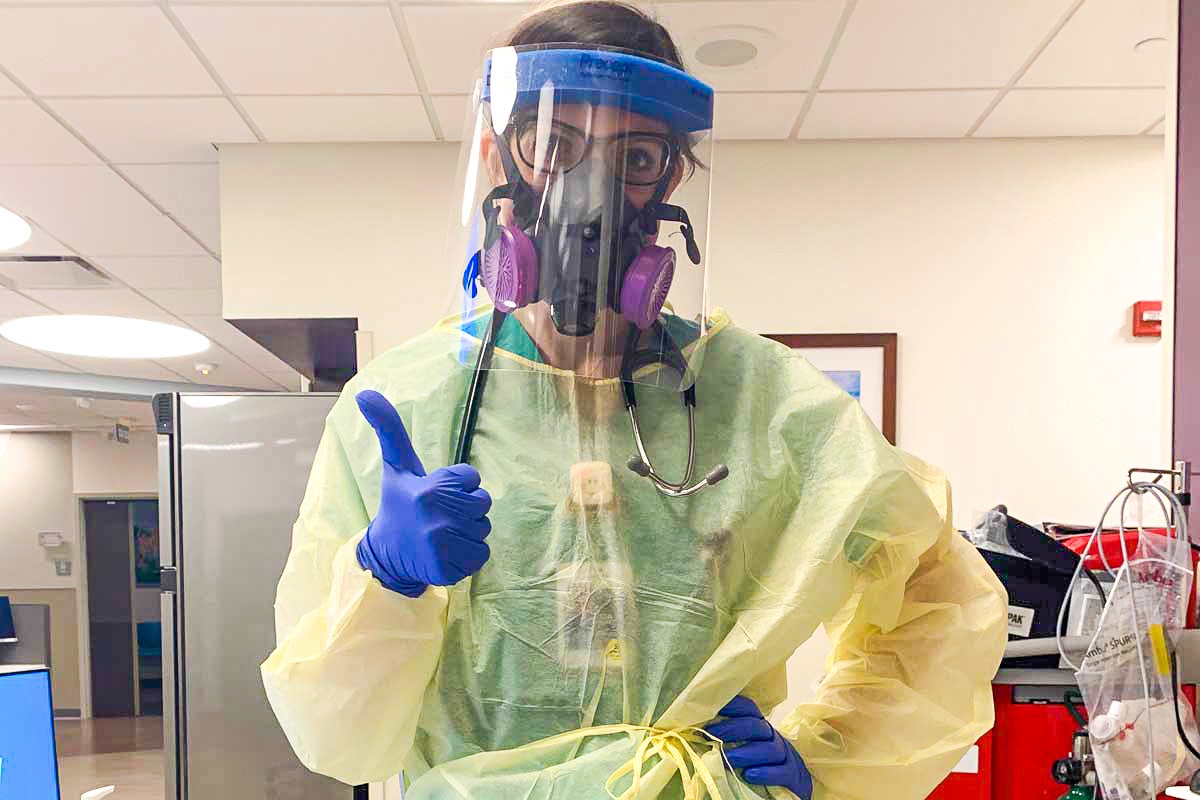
pixel 537 620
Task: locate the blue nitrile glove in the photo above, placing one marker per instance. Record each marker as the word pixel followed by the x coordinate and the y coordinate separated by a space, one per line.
pixel 765 758
pixel 429 530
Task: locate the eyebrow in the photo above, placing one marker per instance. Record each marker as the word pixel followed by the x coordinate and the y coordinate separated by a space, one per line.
pixel 528 118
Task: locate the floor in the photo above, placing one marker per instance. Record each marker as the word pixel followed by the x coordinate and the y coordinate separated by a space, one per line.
pixel 126 753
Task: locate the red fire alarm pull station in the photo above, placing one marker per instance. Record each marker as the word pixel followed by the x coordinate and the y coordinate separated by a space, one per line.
pixel 1147 318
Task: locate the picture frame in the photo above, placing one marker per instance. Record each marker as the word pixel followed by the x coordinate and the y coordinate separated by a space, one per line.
pixel 865 364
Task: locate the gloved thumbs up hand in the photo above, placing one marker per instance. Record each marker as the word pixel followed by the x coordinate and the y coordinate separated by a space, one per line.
pixel 430 529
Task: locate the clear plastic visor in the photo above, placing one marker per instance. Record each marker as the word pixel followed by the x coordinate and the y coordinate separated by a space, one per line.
pixel 580 238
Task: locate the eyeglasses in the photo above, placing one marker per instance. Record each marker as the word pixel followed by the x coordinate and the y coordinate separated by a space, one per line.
pixel 638 159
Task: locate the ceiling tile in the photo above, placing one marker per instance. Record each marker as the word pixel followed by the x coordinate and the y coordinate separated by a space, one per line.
pixel 13 305
pixel 943 44
pixel 114 302
pixel 185 302
pixel 451 112
pixel 310 49
pixel 229 337
pixel 756 116
pixel 29 135
pixel 1074 112
pixel 230 371
pixel 1096 48
pixel 155 130
pixel 374 118
pixel 40 244
pixel 8 88
pixel 80 50
pixel 92 210
pixel 14 355
pixel 451 42
pixel 157 272
pixel 894 115
pixel 188 192
pixel 123 368
pixel 791 37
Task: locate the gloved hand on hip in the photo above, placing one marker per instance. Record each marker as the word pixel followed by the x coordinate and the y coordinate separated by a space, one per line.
pixel 430 529
pixel 765 757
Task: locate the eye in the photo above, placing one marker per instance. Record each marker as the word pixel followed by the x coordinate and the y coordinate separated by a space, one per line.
pixel 643 160
pixel 638 160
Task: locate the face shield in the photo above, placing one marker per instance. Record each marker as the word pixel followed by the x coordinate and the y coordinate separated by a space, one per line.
pixel 580 236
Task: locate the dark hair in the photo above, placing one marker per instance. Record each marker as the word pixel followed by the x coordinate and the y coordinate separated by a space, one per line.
pixel 604 23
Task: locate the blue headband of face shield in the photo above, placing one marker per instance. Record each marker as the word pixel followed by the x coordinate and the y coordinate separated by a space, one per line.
pixel 516 78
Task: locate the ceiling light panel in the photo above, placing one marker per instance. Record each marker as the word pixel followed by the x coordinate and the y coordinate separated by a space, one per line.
pixel 103 336
pixel 15 230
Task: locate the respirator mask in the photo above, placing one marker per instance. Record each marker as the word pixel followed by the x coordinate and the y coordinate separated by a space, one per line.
pixel 577 166
pixel 579 243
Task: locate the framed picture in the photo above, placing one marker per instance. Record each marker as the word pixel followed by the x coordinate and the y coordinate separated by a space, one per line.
pixel 145 542
pixel 864 364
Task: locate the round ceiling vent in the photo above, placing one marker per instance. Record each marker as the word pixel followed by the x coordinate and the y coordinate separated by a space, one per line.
pixel 726 53
pixel 729 47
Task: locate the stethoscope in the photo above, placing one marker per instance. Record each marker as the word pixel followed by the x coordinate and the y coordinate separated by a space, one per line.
pixel 634 360
pixel 668 356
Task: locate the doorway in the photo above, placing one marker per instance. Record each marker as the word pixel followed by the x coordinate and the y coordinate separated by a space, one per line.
pixel 124 622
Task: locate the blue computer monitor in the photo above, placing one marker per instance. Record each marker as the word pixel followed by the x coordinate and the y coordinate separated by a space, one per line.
pixel 28 759
pixel 8 631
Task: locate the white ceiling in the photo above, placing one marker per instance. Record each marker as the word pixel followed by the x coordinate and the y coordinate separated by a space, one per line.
pixel 111 110
pixel 48 409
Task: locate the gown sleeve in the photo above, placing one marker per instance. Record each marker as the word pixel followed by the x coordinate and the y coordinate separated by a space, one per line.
pixel 353 659
pixel 908 682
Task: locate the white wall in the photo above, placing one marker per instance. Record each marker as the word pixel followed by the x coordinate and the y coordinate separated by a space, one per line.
pixel 1007 267
pixel 338 230
pixel 42 476
pixel 106 467
pixel 35 495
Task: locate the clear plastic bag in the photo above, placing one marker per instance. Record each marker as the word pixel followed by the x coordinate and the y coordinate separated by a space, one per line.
pixel 1125 675
pixel 991 532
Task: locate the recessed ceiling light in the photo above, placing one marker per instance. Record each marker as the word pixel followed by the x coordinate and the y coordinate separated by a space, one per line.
pixel 103 337
pixel 726 53
pixel 14 230
pixel 17 427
